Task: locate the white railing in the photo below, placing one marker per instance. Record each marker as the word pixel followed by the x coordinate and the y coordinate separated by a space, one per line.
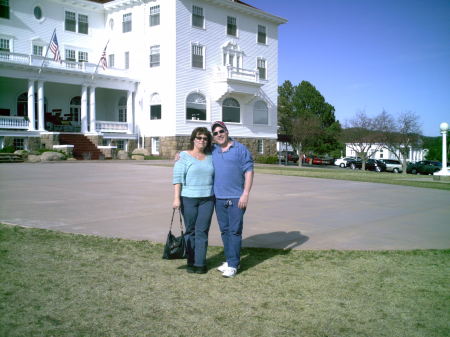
pixel 42 63
pixel 13 122
pixel 106 126
pixel 234 73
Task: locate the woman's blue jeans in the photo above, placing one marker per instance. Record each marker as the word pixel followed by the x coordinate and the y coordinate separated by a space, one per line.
pixel 197 213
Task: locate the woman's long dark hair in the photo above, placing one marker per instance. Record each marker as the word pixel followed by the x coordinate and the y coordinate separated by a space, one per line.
pixel 201 131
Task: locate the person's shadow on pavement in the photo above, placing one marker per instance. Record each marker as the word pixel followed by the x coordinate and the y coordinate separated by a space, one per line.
pixel 258 248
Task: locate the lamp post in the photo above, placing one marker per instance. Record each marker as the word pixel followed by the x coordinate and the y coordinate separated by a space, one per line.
pixel 443 174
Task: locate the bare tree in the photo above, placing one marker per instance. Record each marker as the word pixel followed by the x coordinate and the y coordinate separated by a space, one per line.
pixel 404 136
pixel 365 135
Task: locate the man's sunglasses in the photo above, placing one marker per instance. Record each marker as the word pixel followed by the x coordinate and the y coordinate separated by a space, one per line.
pixel 202 138
pixel 217 132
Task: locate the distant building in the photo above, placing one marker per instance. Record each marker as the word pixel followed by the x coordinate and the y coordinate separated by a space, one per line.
pixel 168 67
pixel 379 152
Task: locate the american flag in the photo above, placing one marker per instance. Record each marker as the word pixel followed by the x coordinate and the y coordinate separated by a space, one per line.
pixel 103 61
pixel 54 47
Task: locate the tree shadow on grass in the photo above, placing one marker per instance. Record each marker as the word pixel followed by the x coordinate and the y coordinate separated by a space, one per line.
pixel 258 248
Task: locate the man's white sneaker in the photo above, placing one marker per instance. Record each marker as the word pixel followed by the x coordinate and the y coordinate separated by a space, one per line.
pixel 223 267
pixel 230 272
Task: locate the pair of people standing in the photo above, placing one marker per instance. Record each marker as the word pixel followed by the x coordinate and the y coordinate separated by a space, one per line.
pixel 209 175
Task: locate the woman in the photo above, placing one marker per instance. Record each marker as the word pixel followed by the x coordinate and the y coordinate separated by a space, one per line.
pixel 193 176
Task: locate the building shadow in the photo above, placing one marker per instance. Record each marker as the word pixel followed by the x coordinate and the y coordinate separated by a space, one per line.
pixel 261 247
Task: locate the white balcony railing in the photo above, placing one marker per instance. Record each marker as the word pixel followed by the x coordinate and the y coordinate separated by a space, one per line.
pixel 42 63
pixel 234 73
pixel 106 126
pixel 13 122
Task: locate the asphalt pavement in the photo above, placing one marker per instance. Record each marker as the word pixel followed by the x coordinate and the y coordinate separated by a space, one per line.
pixel 132 200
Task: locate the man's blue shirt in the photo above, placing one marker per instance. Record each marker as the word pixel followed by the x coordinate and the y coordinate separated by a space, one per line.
pixel 229 170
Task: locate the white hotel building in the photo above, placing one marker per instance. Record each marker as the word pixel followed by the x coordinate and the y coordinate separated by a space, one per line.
pixel 172 65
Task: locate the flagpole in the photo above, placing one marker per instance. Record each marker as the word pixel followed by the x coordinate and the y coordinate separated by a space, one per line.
pixel 46 52
pixel 98 63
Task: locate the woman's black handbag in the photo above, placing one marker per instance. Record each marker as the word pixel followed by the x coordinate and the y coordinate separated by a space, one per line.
pixel 175 247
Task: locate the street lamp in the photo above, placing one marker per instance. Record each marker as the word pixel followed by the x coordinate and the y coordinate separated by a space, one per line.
pixel 443 174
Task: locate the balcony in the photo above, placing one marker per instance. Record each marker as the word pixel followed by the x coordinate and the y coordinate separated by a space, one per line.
pixel 13 122
pixel 107 126
pixel 243 82
pixel 48 63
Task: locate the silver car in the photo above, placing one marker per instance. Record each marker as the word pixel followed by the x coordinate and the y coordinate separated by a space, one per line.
pixel 392 165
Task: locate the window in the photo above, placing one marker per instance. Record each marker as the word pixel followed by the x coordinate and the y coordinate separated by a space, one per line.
pixel 260 113
pixel 38 50
pixel 122 109
pixel 4 9
pixel 154 16
pixel 261 64
pixel 83 25
pixel 37 12
pixel 70 55
pixel 82 56
pixel 231 111
pixel 121 144
pixel 111 60
pixel 261 146
pixel 155 145
pixel 197 56
pixel 127 60
pixel 19 143
pixel 196 107
pixel 70 23
pixel 111 24
pixel 4 45
pixel 262 34
pixel 75 109
pixel 231 26
pixel 126 23
pixel 155 107
pixel 154 56
pixel 198 20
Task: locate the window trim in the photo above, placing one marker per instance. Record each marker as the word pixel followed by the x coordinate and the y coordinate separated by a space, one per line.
pixel 266 111
pixel 156 14
pixel 77 22
pixel 258 68
pixel 198 93
pixel 127 20
pixel 155 52
pixel 230 25
pixel 258 35
pixel 229 106
pixel 203 51
pixel 198 16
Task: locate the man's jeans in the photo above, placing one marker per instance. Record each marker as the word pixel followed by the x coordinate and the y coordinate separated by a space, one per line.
pixel 230 218
pixel 197 213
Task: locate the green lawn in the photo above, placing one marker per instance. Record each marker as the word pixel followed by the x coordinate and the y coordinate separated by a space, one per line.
pixel 357 175
pixel 56 284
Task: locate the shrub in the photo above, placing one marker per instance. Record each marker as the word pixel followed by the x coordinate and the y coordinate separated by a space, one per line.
pixel 267 160
pixel 8 149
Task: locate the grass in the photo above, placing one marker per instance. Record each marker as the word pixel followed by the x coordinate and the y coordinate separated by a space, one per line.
pixel 358 175
pixel 56 284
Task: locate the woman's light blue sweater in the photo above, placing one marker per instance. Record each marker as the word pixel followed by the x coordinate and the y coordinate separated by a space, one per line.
pixel 195 176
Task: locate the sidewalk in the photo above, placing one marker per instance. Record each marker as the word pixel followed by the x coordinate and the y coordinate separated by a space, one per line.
pixel 132 199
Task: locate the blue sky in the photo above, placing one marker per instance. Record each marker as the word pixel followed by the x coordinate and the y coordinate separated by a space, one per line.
pixel 369 55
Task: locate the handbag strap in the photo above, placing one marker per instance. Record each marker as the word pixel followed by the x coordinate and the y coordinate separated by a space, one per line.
pixel 181 220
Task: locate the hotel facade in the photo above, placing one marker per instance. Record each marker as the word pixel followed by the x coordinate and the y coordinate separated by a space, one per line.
pixel 136 73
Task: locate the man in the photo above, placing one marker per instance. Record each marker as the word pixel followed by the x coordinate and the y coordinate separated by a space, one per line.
pixel 233 179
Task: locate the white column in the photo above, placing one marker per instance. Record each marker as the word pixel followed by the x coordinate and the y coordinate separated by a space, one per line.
pixel 31 112
pixel 130 112
pixel 92 118
pixel 41 121
pixel 444 129
pixel 84 109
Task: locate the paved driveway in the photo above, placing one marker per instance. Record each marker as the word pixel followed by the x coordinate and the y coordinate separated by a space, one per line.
pixel 132 199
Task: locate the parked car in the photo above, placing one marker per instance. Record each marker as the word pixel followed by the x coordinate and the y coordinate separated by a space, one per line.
pixel 314 160
pixel 371 165
pixel 392 165
pixel 342 162
pixel 291 156
pixel 424 167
